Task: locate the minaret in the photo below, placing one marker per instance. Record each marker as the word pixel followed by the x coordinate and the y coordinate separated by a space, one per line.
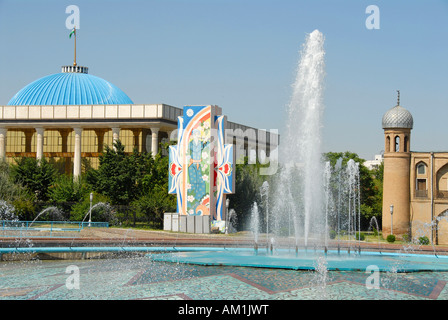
pixel 397 124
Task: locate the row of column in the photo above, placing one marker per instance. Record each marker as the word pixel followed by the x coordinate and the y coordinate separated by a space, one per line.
pixel 77 147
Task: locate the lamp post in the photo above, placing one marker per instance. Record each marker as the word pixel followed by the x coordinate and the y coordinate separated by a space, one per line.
pixel 227 215
pixel 391 219
pixel 90 211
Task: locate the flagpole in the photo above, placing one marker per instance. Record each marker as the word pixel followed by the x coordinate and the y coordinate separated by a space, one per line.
pixel 74 62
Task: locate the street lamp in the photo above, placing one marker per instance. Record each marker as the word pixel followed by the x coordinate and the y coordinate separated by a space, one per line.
pixel 90 212
pixel 391 219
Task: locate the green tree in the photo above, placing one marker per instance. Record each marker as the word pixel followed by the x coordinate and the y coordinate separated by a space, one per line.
pixel 117 176
pixel 9 190
pixel 66 191
pixel 15 194
pixel 377 206
pixel 154 204
pixel 154 199
pixel 35 175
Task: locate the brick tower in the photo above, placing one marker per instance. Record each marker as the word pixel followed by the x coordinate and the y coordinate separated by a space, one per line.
pixel 397 124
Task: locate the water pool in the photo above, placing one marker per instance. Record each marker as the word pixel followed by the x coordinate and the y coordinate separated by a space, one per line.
pixel 146 277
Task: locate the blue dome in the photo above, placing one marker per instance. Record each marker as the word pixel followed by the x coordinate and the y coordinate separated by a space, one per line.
pixel 70 88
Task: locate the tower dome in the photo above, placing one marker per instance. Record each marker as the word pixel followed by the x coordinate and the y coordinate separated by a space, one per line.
pixel 73 86
pixel 398 117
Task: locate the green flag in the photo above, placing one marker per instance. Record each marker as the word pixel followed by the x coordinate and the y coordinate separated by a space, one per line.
pixel 73 32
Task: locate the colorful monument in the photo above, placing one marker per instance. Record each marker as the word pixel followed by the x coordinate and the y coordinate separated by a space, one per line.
pixel 201 171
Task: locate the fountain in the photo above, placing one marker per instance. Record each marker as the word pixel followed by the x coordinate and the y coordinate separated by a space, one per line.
pixel 297 191
pixel 264 194
pixel 354 206
pixel 7 211
pixel 377 230
pixel 255 224
pixel 54 210
pixel 97 205
pixel 233 221
pixel 327 180
pixel 7 215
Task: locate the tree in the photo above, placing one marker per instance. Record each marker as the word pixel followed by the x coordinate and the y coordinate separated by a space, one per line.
pixel 15 195
pixel 154 204
pixel 66 191
pixel 378 187
pixel 154 199
pixel 118 175
pixel 9 190
pixel 35 175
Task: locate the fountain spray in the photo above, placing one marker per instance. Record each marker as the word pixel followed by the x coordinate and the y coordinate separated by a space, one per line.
pixel 301 150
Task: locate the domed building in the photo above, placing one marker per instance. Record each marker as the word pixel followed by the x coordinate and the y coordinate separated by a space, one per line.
pixel 73 86
pixel 415 185
pixel 69 117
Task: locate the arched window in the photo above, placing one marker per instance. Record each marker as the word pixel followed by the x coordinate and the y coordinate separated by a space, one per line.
pixel 397 144
pixel 420 181
pixel 405 144
pixel 442 182
pixel 388 144
pixel 421 168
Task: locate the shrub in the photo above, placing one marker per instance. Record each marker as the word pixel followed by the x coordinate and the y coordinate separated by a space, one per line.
pixel 423 240
pixel 390 238
pixel 406 237
pixel 360 236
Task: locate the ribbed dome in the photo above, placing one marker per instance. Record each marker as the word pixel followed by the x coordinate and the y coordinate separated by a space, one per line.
pixel 70 88
pixel 397 117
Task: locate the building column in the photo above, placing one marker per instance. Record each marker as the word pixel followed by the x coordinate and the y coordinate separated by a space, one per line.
pixel 115 136
pixel 3 132
pixel 39 143
pixel 172 135
pixel 77 156
pixel 154 141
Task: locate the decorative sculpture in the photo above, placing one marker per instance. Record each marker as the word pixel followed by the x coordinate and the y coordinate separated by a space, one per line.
pixel 201 165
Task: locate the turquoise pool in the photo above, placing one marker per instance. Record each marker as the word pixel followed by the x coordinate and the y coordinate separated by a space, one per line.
pixel 148 277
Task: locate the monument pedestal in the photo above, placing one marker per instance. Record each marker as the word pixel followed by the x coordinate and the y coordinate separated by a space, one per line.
pixel 186 223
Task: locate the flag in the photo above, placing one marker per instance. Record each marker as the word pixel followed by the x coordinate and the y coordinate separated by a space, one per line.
pixel 73 32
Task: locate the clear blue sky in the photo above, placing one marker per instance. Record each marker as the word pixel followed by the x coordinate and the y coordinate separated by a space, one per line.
pixel 242 55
